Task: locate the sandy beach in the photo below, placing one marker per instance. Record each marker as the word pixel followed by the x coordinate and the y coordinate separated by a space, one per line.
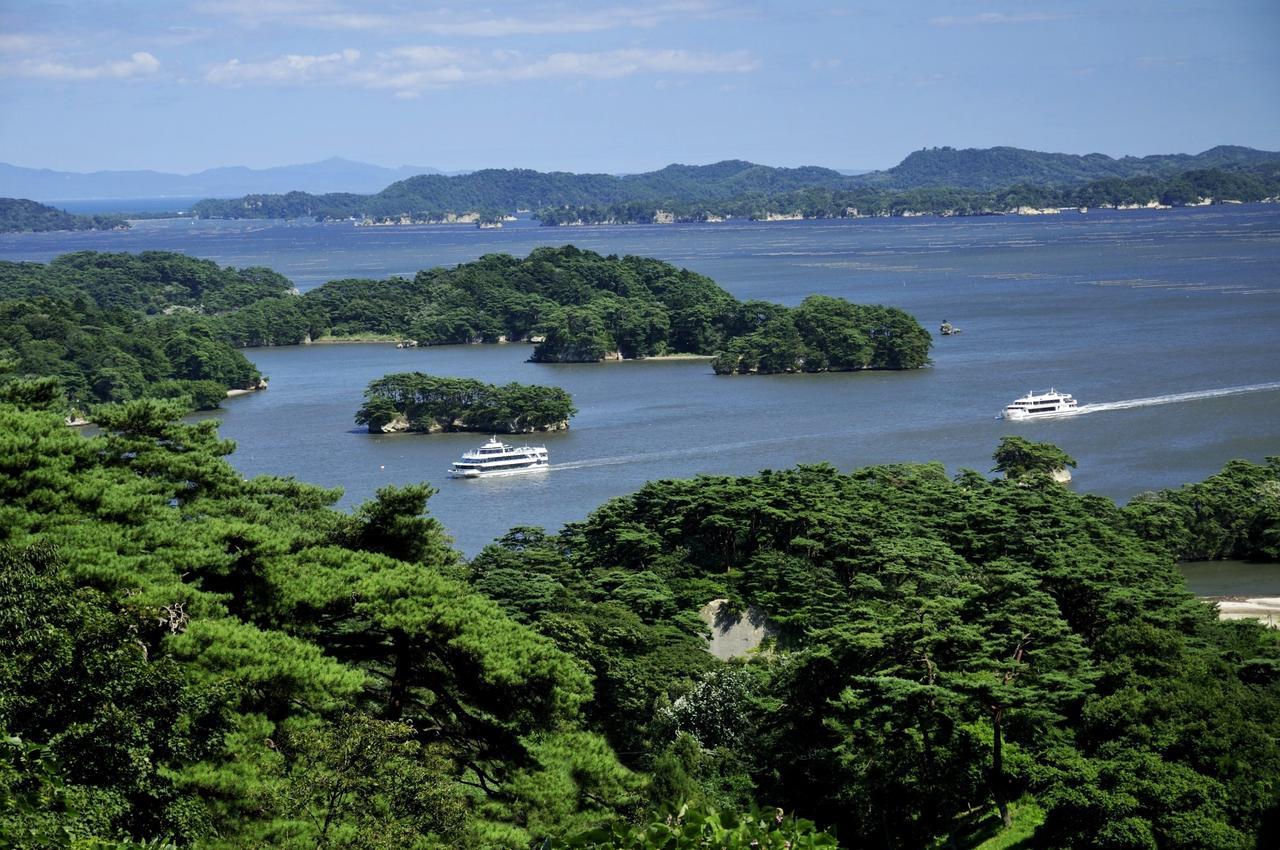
pixel 1263 608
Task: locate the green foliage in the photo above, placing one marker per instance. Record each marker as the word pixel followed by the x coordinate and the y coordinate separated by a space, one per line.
pixel 18 215
pixel 431 196
pixel 1018 457
pixel 582 304
pixel 227 663
pixel 1234 514
pixel 939 643
pixel 433 404
pixel 992 168
pixel 693 827
pixel 78 674
pixel 200 395
pixel 360 782
pixel 116 327
pixel 222 661
pixel 827 334
pixel 939 180
pixel 38 811
pixel 152 281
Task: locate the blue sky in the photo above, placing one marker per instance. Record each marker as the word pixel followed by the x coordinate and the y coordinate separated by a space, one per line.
pixel 183 85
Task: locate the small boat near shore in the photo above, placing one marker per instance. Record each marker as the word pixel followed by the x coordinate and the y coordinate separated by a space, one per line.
pixel 1035 405
pixel 497 458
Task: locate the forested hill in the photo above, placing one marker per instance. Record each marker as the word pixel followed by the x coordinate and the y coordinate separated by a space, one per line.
pixel 190 659
pixel 733 187
pixel 502 189
pixel 18 215
pixel 995 168
pixel 118 327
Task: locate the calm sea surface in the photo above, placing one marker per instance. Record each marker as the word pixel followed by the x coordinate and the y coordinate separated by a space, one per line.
pixel 1134 307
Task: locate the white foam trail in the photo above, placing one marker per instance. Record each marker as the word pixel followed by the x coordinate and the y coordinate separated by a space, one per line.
pixel 673 453
pixel 1173 398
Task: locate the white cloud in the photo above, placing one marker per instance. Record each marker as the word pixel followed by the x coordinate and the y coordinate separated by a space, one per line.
pixel 17 42
pixel 409 70
pixel 997 18
pixel 364 16
pixel 137 65
pixel 624 63
pixel 290 69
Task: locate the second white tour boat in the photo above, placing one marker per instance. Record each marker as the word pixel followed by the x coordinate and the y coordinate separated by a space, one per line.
pixel 1033 405
pixel 498 458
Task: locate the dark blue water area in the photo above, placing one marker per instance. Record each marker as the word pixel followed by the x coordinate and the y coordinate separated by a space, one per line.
pixel 1134 307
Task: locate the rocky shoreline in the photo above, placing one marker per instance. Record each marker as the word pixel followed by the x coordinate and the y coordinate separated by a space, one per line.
pixel 401 425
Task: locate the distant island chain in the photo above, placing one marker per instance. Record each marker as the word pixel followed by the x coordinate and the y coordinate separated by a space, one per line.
pixel 936 181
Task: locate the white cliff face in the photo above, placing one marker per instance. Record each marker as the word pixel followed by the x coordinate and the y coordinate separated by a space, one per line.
pixel 734 634
pixel 395 426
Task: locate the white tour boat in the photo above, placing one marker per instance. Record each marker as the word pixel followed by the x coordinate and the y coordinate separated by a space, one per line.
pixel 498 458
pixel 1032 405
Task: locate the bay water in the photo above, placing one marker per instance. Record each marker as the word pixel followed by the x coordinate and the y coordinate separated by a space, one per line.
pixel 1164 324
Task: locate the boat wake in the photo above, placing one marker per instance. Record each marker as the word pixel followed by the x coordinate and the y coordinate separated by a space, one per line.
pixel 1172 398
pixel 692 451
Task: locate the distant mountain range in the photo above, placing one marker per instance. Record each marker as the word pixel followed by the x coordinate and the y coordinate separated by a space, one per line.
pixel 499 190
pixel 993 168
pixel 331 175
pixel 496 191
pixel 338 188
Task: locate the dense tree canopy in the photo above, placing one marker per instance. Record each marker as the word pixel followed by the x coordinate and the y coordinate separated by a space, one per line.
pixel 1255 181
pixel 104 355
pixel 429 404
pixel 826 334
pixel 1017 457
pixel 18 215
pixel 233 663
pixel 1234 514
pixel 585 307
pixel 223 663
pixel 939 643
pixel 939 180
pixel 116 327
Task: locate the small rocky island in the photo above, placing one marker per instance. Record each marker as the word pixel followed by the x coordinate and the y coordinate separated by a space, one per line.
pixel 414 401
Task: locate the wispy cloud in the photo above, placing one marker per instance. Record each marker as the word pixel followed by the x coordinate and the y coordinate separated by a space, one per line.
pixel 20 42
pixel 138 65
pixel 412 69
pixel 998 18
pixel 624 63
pixel 451 23
pixel 290 69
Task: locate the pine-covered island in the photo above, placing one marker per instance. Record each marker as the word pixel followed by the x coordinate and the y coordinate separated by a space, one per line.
pixel 115 327
pixel 414 401
pixel 19 215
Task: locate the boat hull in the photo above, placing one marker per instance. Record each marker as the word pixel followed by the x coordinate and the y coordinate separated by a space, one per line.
pixel 1020 415
pixel 497 473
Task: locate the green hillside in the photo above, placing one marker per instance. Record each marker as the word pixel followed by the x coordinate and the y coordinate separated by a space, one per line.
pixel 192 659
pixel 510 189
pixel 994 168
pixel 18 215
